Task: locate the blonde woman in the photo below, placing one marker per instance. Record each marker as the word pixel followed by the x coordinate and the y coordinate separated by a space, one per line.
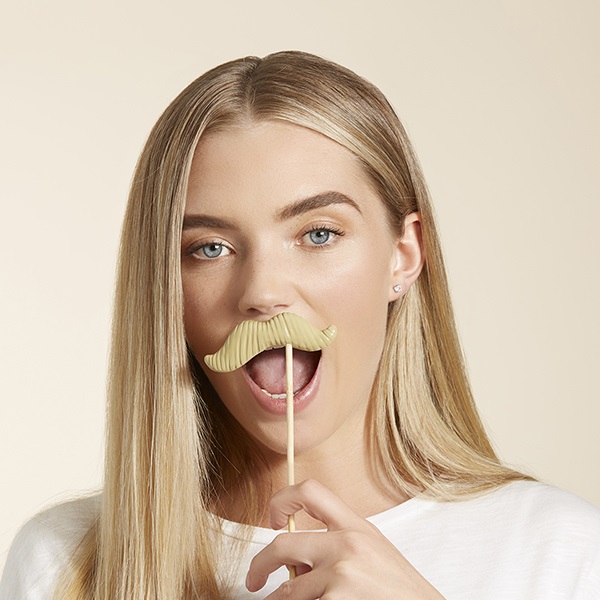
pixel 288 185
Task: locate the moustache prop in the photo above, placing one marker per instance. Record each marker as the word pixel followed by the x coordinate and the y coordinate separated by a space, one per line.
pixel 250 338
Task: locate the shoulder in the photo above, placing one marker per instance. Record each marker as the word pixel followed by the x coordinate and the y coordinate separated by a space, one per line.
pixel 529 510
pixel 520 503
pixel 544 506
pixel 42 549
pixel 528 537
pixel 553 536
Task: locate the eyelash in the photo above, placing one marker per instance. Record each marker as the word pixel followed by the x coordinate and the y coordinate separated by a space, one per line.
pixel 329 228
pixel 197 247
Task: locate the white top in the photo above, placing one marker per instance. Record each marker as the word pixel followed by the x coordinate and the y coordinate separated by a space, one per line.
pixel 526 540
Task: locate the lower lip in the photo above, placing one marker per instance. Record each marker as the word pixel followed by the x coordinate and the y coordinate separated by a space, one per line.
pixel 278 406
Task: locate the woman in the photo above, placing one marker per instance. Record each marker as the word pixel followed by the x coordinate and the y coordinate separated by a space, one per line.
pixel 287 185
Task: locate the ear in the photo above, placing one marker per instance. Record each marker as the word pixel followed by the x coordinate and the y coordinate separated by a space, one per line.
pixel 409 256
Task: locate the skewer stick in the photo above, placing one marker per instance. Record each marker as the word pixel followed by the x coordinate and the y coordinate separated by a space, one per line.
pixel 289 402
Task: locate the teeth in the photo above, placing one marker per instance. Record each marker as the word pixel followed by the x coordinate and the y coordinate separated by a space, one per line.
pixel 276 396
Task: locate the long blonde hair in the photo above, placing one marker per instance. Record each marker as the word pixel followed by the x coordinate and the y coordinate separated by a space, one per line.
pixel 167 452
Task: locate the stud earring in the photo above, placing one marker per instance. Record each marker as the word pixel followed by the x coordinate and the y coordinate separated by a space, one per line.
pixel 397 288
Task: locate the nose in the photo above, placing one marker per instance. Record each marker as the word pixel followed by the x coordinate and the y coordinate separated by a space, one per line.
pixel 266 287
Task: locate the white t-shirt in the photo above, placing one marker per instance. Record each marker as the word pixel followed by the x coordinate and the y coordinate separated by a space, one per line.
pixel 525 540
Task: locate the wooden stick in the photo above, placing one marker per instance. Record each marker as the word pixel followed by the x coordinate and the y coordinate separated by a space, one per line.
pixel 289 402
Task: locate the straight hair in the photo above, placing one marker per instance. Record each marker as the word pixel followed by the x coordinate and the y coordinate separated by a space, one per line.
pixel 171 452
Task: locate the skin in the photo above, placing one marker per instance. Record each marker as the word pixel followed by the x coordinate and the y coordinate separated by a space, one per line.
pixel 253 247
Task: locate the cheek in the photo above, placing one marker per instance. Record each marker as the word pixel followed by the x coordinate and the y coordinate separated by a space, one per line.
pixel 364 314
pixel 360 313
pixel 361 285
pixel 200 317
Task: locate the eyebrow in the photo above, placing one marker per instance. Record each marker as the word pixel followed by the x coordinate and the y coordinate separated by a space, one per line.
pixel 288 212
pixel 197 221
pixel 313 202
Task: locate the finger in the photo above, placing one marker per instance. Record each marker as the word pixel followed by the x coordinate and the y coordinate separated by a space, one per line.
pixel 319 502
pixel 305 587
pixel 303 550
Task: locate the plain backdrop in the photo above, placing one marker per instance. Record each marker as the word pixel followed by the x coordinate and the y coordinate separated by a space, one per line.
pixel 501 101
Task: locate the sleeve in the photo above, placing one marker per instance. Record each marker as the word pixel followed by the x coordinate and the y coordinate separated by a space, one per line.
pixel 35 560
pixel 592 584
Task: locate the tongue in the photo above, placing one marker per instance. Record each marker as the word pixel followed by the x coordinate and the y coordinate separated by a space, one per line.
pixel 268 369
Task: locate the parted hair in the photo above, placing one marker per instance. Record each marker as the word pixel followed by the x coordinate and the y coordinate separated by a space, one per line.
pixel 172 448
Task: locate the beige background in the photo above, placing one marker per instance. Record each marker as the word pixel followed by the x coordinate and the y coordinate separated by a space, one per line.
pixel 501 100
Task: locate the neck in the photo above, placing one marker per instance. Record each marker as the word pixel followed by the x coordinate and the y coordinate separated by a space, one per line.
pixel 343 468
pixel 349 475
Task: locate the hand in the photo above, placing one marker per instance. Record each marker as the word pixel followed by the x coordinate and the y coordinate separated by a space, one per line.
pixel 351 560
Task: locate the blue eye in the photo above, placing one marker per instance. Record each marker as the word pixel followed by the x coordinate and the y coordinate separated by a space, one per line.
pixel 212 250
pixel 320 236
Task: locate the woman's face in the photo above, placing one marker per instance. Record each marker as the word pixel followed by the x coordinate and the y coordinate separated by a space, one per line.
pixel 281 219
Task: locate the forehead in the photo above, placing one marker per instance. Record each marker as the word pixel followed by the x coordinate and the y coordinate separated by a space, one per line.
pixel 272 159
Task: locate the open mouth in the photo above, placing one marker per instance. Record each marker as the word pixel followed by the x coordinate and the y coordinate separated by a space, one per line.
pixel 267 370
